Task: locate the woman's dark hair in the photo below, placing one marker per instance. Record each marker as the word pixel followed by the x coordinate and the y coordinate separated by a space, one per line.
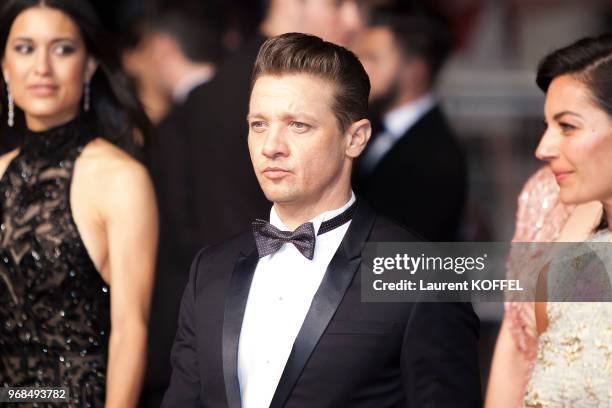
pixel 115 108
pixel 588 60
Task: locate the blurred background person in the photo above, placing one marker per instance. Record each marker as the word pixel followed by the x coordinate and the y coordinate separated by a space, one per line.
pixel 413 170
pixel 179 47
pixel 558 353
pixel 78 215
pixel 337 21
pixel 170 53
pixel 139 62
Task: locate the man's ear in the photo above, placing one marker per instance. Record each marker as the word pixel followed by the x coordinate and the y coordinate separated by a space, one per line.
pixel 90 68
pixel 358 133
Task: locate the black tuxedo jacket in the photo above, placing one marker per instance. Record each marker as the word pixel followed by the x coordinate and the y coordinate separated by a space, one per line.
pixel 422 180
pixel 347 353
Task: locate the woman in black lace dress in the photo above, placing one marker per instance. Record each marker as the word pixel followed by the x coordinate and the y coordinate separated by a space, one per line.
pixel 78 224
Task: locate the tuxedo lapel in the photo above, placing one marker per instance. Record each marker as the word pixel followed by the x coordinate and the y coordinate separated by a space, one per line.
pixel 235 305
pixel 336 281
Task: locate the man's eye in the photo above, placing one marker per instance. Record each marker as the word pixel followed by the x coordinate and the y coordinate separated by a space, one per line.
pixel 300 126
pixel 257 125
pixel 24 48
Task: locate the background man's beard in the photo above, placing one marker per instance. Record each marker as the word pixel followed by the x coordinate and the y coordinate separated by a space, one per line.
pixel 382 103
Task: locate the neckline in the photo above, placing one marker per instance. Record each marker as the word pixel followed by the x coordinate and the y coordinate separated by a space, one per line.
pixel 277 222
pixel 56 141
pixel 603 235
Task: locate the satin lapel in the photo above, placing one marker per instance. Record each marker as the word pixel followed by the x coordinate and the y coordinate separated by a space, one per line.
pixel 336 281
pixel 232 323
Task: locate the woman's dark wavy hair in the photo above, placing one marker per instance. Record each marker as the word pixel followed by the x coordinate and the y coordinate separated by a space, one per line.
pixel 115 108
pixel 589 60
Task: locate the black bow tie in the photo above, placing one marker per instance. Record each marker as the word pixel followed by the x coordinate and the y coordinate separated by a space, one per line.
pixel 270 239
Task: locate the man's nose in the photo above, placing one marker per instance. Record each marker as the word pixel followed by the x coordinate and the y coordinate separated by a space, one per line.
pixel 274 143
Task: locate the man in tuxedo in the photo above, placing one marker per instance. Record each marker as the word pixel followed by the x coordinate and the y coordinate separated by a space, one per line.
pixel 274 317
pixel 207 200
pixel 413 170
pixel 227 194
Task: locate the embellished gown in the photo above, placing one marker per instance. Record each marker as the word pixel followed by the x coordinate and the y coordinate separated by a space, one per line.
pixel 54 305
pixel 573 366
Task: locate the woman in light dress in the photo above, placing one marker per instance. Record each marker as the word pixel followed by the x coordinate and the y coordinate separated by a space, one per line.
pixel 552 354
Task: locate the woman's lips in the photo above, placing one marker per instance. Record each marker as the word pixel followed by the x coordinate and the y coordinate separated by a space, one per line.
pixel 561 175
pixel 42 90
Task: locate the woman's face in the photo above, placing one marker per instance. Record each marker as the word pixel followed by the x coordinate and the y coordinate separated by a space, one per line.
pixel 577 142
pixel 46 66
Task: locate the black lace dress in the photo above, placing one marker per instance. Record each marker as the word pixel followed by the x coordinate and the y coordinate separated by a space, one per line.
pixel 54 306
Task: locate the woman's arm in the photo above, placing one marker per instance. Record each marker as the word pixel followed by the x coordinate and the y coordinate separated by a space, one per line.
pixel 510 372
pixel 518 337
pixel 131 224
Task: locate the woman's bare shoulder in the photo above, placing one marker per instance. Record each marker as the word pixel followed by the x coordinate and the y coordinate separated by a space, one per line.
pixel 104 159
pixel 5 160
pixel 111 173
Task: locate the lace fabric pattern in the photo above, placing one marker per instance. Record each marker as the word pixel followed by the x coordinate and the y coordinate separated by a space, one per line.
pixel 54 305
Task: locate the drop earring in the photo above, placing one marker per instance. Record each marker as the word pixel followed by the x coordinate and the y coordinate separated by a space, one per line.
pixel 86 97
pixel 11 108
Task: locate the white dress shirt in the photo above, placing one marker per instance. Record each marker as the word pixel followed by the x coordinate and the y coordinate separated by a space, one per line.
pixel 283 287
pixel 397 122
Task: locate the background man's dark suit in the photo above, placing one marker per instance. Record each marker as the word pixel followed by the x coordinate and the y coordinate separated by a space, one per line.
pixel 228 197
pixel 209 200
pixel 347 353
pixel 421 181
pixel 201 201
pixel 172 170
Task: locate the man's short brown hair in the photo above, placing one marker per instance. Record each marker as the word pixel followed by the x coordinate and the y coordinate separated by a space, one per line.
pixel 296 53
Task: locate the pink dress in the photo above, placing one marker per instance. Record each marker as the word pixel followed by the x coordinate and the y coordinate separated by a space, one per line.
pixel 540 218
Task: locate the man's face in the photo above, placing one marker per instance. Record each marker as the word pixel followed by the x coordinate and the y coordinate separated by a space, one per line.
pixel 296 146
pixel 336 21
pixel 381 59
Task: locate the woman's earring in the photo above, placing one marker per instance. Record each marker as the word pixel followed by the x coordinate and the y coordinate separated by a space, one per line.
pixel 11 108
pixel 86 97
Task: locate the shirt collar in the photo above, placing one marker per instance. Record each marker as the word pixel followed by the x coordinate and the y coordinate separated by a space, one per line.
pixel 399 120
pixel 316 221
pixel 190 82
